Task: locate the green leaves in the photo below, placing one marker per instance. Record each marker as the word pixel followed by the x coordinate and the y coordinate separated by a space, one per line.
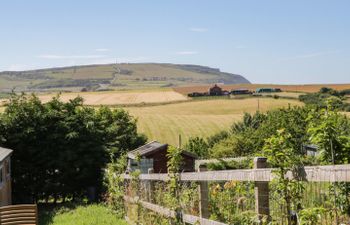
pixel 330 132
pixel 282 156
pixel 61 147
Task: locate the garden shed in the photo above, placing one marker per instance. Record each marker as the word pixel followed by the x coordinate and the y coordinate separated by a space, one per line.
pixel 153 155
pixel 5 176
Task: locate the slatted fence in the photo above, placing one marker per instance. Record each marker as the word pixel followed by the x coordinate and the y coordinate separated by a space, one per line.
pixel 259 175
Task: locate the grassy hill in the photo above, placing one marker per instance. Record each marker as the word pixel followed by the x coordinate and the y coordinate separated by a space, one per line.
pixel 114 76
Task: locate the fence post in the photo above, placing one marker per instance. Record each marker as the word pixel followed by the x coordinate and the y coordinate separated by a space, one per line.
pixel 150 187
pixel 261 190
pixel 203 195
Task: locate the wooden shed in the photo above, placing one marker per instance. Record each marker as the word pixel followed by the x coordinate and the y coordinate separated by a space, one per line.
pixel 154 156
pixel 5 177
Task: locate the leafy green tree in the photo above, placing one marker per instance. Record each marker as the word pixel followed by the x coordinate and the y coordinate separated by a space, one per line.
pixel 282 156
pixel 212 140
pixel 250 121
pixel 174 156
pixel 198 146
pixel 233 146
pixel 330 132
pixel 60 148
pixel 248 137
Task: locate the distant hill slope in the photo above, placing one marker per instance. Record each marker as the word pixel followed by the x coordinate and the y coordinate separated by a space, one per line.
pixel 115 76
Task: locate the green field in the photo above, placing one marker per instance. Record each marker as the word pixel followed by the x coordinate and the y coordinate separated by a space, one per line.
pixel 81 215
pixel 198 118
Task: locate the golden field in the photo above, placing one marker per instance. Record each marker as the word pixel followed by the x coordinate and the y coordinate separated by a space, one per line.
pixel 197 118
pixel 120 97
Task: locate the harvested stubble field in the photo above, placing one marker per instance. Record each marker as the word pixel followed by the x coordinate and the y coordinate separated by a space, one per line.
pixel 121 97
pixel 253 87
pixel 197 118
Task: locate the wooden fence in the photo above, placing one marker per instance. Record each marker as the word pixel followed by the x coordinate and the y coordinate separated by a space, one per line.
pixel 260 175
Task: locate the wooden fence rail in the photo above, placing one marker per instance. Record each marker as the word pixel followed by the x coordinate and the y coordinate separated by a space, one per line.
pixel 260 175
pixel 190 219
pixel 336 173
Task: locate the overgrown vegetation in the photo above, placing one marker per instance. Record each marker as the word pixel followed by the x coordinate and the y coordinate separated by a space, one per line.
pixel 281 136
pixel 247 137
pixel 325 94
pixel 61 148
pixel 79 215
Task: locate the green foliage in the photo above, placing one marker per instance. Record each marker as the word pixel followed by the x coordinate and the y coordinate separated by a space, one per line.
pixel 198 146
pixel 212 140
pixel 239 195
pixel 60 148
pixel 321 98
pixel 79 215
pixel 311 216
pixel 231 165
pixel 248 137
pixel 282 156
pixel 330 132
pixel 233 146
pixel 249 122
pixel 114 183
pixel 174 165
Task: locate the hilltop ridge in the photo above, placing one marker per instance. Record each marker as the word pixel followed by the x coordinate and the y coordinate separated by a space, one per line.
pixel 115 76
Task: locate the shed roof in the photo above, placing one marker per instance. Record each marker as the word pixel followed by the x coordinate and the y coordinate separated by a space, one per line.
pixel 151 148
pixel 146 149
pixel 4 153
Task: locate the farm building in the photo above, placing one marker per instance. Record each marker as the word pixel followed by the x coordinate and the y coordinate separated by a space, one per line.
pixel 5 176
pixel 154 156
pixel 215 90
pixel 241 92
pixel 268 90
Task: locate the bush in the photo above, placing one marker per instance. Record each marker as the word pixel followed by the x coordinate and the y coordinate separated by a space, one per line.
pixel 61 148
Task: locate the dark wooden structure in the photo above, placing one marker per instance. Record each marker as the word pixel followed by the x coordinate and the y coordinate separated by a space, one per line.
pixel 268 90
pixel 215 90
pixel 19 215
pixel 241 92
pixel 5 177
pixel 154 156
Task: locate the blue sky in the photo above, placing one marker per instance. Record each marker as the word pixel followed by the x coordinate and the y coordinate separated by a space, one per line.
pixel 267 41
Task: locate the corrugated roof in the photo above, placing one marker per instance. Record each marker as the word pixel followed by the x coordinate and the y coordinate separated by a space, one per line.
pixel 4 153
pixel 152 147
pixel 146 149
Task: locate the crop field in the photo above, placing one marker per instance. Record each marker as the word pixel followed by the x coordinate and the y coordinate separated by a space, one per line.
pixel 198 118
pixel 252 87
pixel 121 97
pixel 285 94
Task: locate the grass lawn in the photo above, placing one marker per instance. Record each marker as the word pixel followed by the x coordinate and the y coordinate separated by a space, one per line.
pixel 198 118
pixel 80 215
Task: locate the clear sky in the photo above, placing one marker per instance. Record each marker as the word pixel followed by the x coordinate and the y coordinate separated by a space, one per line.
pixel 267 41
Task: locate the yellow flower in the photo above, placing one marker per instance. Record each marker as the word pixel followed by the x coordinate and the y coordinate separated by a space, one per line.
pixel 230 184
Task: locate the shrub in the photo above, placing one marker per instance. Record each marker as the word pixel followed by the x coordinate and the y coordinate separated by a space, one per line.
pixel 61 148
